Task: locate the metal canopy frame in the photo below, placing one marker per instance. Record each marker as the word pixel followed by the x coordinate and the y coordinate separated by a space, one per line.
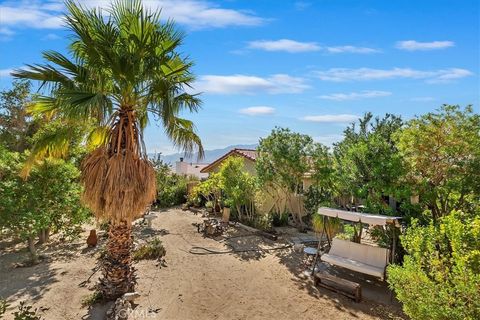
pixel 358 217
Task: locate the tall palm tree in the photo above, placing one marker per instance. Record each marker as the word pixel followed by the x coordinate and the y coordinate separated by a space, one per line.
pixel 123 68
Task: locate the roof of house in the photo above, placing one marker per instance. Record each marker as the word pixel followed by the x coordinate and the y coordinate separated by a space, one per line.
pixel 246 153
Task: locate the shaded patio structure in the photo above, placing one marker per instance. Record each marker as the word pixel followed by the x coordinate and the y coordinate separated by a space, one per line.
pixel 360 263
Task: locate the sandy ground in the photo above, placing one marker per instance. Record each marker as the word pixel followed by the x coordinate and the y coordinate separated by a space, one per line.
pixel 251 285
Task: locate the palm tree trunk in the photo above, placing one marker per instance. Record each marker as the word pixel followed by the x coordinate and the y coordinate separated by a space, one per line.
pixel 118 273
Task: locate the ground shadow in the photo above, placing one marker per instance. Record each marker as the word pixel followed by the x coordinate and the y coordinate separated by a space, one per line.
pixel 377 298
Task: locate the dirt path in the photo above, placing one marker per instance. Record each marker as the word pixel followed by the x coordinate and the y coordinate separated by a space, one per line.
pixel 229 286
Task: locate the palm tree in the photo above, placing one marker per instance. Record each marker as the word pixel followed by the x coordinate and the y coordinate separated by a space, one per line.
pixel 124 68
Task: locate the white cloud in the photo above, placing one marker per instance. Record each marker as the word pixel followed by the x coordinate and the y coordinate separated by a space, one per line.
pixel 351 49
pixel 355 95
pixel 423 99
pixel 301 5
pixel 6 31
pixel 412 45
pixel 30 15
pixel 51 36
pixel 5 72
pixel 332 118
pixel 292 46
pixel 284 45
pixel 238 84
pixel 363 74
pixel 258 110
pixel 193 13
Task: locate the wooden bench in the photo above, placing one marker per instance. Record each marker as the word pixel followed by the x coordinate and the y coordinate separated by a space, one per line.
pixel 346 287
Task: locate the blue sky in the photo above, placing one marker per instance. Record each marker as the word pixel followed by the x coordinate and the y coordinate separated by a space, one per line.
pixel 313 66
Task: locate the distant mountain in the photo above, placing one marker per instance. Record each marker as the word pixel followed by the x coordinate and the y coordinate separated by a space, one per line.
pixel 210 155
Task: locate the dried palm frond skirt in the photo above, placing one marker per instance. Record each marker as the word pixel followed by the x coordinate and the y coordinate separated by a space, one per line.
pixel 118 188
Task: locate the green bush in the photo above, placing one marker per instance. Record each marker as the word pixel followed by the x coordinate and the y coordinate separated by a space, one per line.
pixel 151 250
pixel 48 199
pixel 171 187
pixel 92 299
pixel 26 312
pixel 3 307
pixel 440 276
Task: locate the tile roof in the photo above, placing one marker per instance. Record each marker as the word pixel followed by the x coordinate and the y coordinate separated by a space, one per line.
pixel 246 153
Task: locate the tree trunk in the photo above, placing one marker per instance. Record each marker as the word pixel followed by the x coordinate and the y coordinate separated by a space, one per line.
pixel 32 249
pixel 47 234
pixel 118 273
pixel 41 236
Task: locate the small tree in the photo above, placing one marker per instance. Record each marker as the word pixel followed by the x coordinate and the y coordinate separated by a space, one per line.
pixel 16 126
pixel 368 164
pixel 440 276
pixel 171 187
pixel 442 151
pixel 239 187
pixel 48 200
pixel 283 160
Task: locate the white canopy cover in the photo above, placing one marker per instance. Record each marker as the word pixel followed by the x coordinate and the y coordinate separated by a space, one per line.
pixel 367 218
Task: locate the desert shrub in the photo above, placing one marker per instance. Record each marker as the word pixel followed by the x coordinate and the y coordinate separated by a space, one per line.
pixel 171 187
pixel 3 307
pixel 48 200
pixel 92 299
pixel 332 226
pixel 279 219
pixel 26 312
pixel 440 275
pixel 347 233
pixel 239 188
pixel 151 250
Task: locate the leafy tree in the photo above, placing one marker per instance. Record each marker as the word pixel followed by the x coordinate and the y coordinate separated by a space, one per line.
pixel 124 67
pixel 323 189
pixel 16 126
pixel 48 200
pixel 442 151
pixel 171 187
pixel 283 160
pixel 368 164
pixel 440 276
pixel 239 187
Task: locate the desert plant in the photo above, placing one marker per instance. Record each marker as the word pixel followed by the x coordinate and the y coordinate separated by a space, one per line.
pixel 332 226
pixel 151 250
pixel 125 68
pixel 440 275
pixel 26 312
pixel 92 299
pixel 3 307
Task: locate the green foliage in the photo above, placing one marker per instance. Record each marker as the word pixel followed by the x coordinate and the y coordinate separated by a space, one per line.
pixel 440 276
pixel 238 187
pixel 171 187
pixel 368 164
pixel 92 299
pixel 125 58
pixel 210 190
pixel 3 307
pixel 283 159
pixel 26 312
pixel 348 232
pixel 153 249
pixel 331 226
pixel 49 198
pixel 280 219
pixel 442 151
pixel 16 126
pixel 316 197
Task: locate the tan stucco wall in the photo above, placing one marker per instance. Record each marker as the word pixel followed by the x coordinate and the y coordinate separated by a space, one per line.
pixel 293 205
